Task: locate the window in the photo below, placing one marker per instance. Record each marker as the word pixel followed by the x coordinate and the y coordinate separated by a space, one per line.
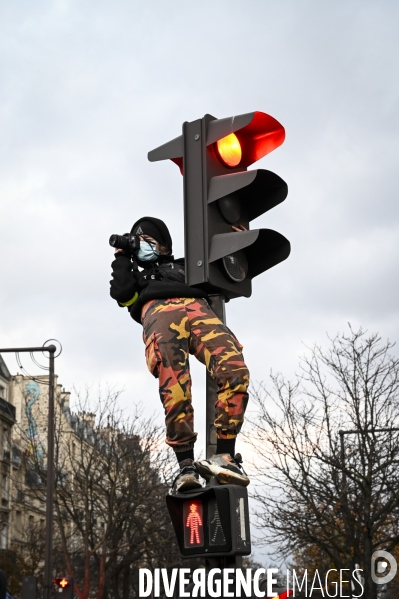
pixel 4 490
pixel 2 392
pixel 18 523
pixel 6 439
pixel 3 535
pixel 6 443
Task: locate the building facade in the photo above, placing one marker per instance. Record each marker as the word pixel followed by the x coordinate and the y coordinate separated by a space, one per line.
pixel 23 443
pixel 7 421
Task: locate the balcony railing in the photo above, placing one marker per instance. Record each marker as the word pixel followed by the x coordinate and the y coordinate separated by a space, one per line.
pixel 7 408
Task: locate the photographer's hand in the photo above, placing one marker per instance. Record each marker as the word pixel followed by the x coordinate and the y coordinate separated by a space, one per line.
pixel 118 251
pixel 239 228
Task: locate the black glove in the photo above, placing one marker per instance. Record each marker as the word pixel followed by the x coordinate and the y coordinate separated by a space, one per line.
pixel 123 282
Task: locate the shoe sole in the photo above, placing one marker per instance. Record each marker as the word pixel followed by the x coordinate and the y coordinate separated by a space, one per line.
pixel 188 486
pixel 224 476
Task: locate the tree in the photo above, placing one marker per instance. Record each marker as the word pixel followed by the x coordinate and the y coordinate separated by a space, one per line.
pixel 111 483
pixel 25 559
pixel 336 494
pixel 112 474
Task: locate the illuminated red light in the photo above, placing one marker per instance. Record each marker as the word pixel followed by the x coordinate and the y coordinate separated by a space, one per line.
pixel 229 149
pixel 61 582
pixel 193 524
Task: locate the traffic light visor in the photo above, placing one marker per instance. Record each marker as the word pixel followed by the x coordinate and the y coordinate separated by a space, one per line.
pixel 229 150
pixel 257 134
pixel 261 136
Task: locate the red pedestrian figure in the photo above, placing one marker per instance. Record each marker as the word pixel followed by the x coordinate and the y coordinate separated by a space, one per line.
pixel 194 522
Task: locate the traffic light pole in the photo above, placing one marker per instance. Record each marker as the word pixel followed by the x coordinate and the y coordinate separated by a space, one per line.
pixel 217 303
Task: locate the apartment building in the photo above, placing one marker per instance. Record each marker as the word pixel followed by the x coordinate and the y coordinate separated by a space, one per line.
pixel 23 448
pixel 7 421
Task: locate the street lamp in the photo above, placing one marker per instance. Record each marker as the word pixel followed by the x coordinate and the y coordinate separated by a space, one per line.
pixel 51 349
pixel 355 431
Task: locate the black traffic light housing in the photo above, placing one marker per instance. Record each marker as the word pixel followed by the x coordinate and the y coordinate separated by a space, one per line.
pixel 29 587
pixel 64 587
pixel 219 196
pixel 3 585
pixel 212 522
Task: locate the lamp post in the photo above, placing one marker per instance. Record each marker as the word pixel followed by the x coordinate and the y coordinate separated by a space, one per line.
pixel 355 431
pixel 358 432
pixel 51 349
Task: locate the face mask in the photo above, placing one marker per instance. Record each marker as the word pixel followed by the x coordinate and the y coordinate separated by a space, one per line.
pixel 147 252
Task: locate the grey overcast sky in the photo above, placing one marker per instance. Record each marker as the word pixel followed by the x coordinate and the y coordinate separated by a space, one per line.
pixel 89 87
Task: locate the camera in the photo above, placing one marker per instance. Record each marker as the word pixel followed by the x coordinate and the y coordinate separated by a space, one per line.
pixel 125 242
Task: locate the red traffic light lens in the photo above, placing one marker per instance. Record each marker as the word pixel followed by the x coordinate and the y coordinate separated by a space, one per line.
pixel 229 149
pixel 61 582
pixel 193 521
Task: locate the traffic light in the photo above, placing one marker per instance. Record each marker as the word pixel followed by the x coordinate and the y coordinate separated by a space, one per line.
pixel 212 522
pixel 3 585
pixel 64 587
pixel 220 193
pixel 29 587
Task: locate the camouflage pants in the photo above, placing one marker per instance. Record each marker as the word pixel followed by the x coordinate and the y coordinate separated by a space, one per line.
pixel 173 329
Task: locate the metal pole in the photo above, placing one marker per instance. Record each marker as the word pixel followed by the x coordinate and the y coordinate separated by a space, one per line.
pixel 217 303
pixel 48 552
pixel 344 480
pixel 341 434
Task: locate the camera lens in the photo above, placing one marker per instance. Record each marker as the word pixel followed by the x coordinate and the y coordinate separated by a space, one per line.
pixel 119 241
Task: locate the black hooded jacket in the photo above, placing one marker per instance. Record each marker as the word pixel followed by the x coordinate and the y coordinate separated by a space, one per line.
pixel 162 279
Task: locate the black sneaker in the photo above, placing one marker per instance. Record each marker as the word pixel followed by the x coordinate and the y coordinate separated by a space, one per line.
pixel 226 469
pixel 187 479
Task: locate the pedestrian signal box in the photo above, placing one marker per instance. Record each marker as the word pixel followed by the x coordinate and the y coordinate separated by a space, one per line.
pixel 211 522
pixel 64 587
